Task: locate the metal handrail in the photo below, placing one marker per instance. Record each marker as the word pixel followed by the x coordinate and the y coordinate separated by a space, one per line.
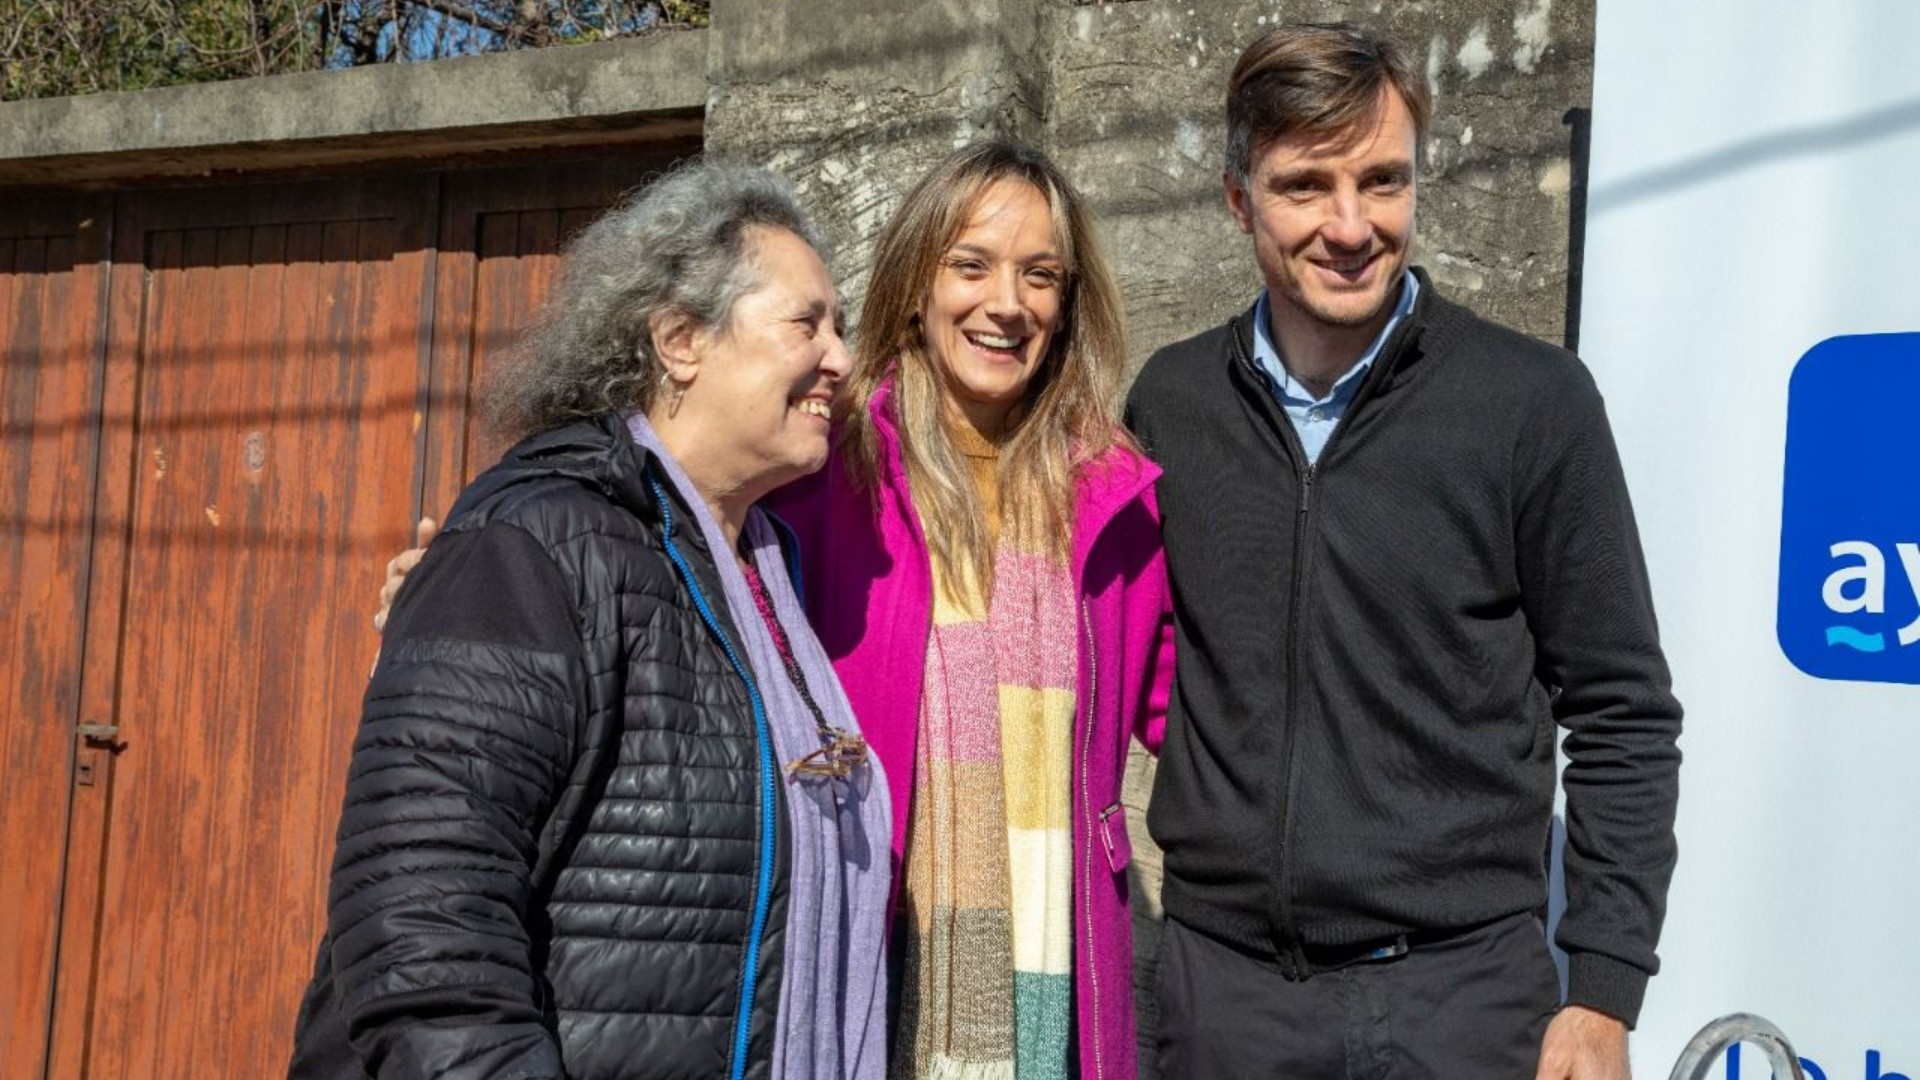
pixel 1705 1048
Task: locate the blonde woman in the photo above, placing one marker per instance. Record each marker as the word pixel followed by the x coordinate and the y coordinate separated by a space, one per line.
pixel 982 561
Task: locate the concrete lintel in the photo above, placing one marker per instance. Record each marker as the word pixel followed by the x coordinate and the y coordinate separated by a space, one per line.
pixel 655 85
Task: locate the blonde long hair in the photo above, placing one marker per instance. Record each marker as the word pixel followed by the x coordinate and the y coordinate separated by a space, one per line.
pixel 1069 417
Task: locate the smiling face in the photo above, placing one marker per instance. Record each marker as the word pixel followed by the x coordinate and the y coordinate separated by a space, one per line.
pixel 759 391
pixel 996 300
pixel 1331 221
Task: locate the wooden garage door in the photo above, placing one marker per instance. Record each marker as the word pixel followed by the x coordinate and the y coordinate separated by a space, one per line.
pixel 52 268
pixel 283 384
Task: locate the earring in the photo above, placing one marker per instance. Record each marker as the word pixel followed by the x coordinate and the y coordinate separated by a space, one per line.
pixel 674 389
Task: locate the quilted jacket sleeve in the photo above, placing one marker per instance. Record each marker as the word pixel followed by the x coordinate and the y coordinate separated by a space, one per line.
pixel 465 742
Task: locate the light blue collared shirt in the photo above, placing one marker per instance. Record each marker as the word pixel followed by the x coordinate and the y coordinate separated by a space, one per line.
pixel 1314 418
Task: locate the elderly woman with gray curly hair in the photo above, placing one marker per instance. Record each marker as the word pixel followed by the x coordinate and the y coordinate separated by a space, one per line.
pixel 609 816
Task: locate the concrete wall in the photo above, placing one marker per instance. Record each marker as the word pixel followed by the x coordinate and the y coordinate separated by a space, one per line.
pixel 854 98
pixel 1136 117
pixel 1128 97
pixel 604 94
pixel 853 118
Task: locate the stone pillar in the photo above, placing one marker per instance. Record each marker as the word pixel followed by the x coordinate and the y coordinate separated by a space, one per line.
pixel 854 99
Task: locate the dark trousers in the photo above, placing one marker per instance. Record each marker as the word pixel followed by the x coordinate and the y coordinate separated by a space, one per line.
pixel 1468 1007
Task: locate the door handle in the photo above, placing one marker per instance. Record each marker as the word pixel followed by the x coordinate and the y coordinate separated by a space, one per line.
pixel 104 736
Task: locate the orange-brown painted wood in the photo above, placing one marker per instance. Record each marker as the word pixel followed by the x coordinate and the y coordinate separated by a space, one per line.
pixel 265 367
pixel 231 420
pixel 52 269
pixel 501 236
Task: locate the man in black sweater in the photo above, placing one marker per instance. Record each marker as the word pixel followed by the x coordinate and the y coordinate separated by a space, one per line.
pixel 1403 557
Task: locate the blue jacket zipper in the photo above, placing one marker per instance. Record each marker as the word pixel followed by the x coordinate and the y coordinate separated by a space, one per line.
pixel 763 883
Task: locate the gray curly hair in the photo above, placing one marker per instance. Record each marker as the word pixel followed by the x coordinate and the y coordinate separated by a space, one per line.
pixel 677 245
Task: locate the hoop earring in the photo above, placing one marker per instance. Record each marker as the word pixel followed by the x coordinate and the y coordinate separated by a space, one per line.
pixel 675 390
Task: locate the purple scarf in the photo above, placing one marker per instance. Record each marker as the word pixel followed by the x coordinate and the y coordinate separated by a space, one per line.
pixel 833 997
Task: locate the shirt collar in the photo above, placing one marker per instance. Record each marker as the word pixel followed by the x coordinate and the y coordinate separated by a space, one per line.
pixel 1267 355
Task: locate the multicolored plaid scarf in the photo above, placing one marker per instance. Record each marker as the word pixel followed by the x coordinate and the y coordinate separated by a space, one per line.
pixel 987 902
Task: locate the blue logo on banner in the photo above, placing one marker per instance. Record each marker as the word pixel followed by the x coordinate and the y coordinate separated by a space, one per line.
pixel 1850 514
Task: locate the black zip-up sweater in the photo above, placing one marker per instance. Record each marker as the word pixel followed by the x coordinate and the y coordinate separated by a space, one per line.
pixel 1373 652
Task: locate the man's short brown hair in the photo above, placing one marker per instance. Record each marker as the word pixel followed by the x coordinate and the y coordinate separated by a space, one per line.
pixel 1314 79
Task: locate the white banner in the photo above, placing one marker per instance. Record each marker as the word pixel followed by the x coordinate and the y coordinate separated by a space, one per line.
pixel 1751 307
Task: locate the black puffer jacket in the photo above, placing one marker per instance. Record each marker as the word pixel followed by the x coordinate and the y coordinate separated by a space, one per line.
pixel 561 817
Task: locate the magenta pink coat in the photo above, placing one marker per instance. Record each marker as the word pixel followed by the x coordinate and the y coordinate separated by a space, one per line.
pixel 869 588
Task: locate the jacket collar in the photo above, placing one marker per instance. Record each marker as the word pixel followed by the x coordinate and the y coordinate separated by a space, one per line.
pixel 1408 345
pixel 597 453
